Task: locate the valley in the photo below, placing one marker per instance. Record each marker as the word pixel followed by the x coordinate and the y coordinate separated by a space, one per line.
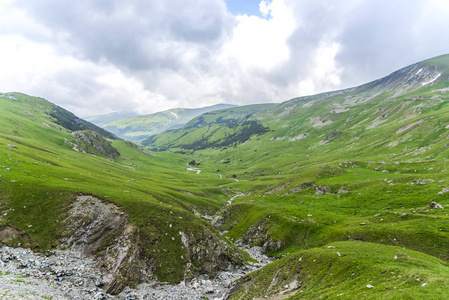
pixel 346 191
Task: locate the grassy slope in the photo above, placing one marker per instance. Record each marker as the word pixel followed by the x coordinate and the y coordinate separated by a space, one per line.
pixel 347 270
pixel 41 177
pixel 377 130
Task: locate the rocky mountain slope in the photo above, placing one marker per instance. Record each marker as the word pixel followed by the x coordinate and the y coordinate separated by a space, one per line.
pixel 137 128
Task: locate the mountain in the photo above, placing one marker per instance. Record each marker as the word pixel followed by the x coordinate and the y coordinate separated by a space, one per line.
pixel 401 99
pixel 137 128
pixel 103 119
pixel 67 184
pixel 219 128
pixel 346 190
pixel 349 188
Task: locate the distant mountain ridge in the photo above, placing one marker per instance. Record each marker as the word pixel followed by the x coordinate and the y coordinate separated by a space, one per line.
pixel 137 128
pixel 106 118
pixel 219 128
pixel 405 96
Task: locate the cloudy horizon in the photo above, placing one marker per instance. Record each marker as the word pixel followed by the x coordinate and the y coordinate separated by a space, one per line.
pixel 97 57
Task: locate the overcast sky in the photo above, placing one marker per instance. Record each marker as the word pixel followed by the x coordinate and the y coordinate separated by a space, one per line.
pixel 95 57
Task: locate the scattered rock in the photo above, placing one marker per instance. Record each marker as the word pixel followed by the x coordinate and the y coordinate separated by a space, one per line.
pixel 55 275
pixel 12 146
pixel 342 191
pixel 333 134
pixel 435 205
pixel 419 182
pixel 401 256
pixel 445 190
pixel 404 215
pixel 319 189
pixel 322 189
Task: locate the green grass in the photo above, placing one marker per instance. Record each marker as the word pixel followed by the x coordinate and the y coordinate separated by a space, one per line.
pixel 386 141
pixel 42 176
pixel 371 210
pixel 345 270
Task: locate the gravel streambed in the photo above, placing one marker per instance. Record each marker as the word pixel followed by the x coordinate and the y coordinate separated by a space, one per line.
pixel 68 275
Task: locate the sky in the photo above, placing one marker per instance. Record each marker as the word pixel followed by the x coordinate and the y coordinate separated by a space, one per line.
pixel 96 57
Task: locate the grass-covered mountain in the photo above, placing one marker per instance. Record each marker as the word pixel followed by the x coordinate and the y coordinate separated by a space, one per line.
pixel 221 128
pixel 349 189
pixel 400 100
pixel 134 212
pixel 137 128
pixel 342 185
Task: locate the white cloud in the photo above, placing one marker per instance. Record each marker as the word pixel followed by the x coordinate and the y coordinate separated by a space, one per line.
pixel 264 8
pixel 145 55
pixel 325 70
pixel 259 42
pixel 83 87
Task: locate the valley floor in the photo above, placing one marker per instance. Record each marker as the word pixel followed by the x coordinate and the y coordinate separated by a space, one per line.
pixel 68 275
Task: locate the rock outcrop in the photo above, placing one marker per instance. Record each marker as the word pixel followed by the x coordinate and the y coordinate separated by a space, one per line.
pixel 319 189
pixel 88 141
pixel 210 254
pixel 101 231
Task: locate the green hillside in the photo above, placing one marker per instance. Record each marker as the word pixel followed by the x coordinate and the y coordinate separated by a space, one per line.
pixel 359 165
pixel 137 128
pixel 221 128
pixel 41 177
pixel 349 189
